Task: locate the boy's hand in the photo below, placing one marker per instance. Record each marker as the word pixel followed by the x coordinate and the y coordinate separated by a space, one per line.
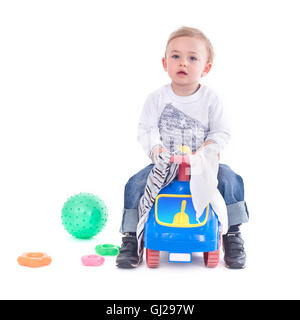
pixel 156 152
pixel 207 143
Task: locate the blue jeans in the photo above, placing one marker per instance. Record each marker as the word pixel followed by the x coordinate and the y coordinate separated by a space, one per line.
pixel 230 185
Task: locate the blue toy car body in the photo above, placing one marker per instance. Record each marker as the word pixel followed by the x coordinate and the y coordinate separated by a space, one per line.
pixel 172 226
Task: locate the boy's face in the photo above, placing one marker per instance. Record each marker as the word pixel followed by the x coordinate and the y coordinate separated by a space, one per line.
pixel 186 61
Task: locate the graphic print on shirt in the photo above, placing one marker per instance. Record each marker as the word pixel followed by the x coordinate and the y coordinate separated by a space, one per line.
pixel 178 129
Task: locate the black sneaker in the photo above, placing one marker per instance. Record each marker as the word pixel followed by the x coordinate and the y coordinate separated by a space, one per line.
pixel 234 252
pixel 128 257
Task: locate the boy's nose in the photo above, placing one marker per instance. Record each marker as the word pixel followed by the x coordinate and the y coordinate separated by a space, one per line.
pixel 183 62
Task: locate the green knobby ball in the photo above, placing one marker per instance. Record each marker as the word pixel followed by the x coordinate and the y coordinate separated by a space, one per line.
pixel 84 215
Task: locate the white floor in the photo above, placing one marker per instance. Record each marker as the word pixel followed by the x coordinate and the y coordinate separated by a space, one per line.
pixel 268 275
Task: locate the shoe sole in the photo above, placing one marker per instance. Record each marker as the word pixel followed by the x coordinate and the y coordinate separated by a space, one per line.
pixel 126 264
pixel 235 266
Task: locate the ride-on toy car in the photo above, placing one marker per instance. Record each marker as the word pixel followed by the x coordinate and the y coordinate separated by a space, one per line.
pixel 172 225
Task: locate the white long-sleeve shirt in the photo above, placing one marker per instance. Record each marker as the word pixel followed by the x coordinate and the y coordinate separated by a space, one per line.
pixel 173 121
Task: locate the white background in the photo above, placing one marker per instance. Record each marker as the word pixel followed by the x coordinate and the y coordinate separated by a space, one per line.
pixel 73 78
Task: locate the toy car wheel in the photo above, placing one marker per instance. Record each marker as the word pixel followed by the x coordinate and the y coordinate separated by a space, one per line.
pixel 211 259
pixel 152 258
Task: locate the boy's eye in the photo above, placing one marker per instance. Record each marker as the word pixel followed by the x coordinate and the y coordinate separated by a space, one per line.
pixel 175 56
pixel 193 58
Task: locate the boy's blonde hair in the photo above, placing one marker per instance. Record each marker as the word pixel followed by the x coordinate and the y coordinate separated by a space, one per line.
pixel 194 33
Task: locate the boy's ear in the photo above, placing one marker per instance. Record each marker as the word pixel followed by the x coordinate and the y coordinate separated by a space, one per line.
pixel 164 62
pixel 206 69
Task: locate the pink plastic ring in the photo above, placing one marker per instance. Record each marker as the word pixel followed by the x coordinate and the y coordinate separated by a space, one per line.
pixel 92 260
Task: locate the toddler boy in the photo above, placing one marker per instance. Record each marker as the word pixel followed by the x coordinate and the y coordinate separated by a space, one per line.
pixel 185 113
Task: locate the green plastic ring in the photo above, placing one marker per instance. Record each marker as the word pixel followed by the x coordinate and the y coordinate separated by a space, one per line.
pixel 107 249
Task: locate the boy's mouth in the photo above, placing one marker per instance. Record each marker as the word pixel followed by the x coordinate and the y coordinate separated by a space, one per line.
pixel 182 73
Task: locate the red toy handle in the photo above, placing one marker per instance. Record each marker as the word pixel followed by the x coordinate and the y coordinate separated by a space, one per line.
pixel 180 158
pixel 184 166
